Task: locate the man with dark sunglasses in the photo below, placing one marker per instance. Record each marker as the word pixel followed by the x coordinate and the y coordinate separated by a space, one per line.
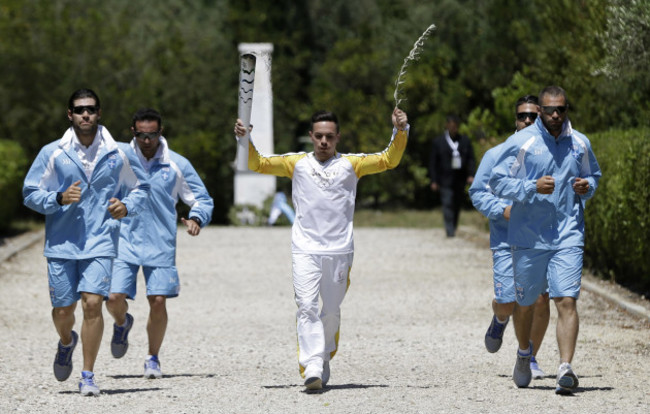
pixel 84 184
pixel 149 240
pixel 497 210
pixel 549 171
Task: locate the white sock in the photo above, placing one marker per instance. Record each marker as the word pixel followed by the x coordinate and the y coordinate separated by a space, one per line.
pixel 525 352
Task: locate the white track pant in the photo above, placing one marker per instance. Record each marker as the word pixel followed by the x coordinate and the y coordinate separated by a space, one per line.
pixel 329 276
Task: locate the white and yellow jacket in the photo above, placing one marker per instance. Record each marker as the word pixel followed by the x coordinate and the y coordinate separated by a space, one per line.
pixel 324 193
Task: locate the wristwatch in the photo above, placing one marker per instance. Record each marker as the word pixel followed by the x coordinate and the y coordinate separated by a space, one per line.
pixel 59 198
pixel 196 220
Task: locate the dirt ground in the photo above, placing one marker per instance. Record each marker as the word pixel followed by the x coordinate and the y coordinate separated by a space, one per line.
pixel 411 338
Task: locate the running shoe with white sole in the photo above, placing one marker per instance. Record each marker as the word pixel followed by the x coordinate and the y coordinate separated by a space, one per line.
pixel 567 381
pixel 120 341
pixel 313 378
pixel 87 386
pixel 521 374
pixel 63 358
pixel 535 369
pixel 494 335
pixel 152 367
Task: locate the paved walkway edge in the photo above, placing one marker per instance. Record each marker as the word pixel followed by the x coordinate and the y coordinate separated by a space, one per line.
pixel 17 244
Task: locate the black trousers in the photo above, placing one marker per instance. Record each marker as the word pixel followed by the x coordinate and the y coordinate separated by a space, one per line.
pixel 451 199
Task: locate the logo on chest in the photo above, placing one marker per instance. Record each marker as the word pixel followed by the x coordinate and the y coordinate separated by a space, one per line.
pixel 164 173
pixel 112 161
pixel 323 179
pixel 574 150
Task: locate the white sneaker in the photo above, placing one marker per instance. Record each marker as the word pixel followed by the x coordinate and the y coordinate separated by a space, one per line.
pixel 536 370
pixel 152 367
pixel 567 381
pixel 87 386
pixel 313 377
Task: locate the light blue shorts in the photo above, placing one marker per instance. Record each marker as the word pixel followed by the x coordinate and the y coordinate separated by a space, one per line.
pixel 504 279
pixel 68 278
pixel 159 280
pixel 536 270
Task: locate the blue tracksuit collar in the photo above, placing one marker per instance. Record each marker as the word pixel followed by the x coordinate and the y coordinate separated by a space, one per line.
pixel 162 155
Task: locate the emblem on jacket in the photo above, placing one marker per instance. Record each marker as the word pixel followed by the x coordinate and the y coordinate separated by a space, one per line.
pixel 112 161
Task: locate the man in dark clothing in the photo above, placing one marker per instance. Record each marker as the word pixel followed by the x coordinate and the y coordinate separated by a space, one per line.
pixel 451 168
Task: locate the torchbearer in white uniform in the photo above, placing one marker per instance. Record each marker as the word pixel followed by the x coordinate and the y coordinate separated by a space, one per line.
pixel 324 190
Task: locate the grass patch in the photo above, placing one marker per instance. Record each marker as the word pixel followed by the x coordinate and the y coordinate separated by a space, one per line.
pixel 419 219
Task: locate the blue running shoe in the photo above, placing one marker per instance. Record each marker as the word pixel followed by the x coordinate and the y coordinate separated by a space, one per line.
pixel 63 359
pixel 152 367
pixel 521 375
pixel 494 335
pixel 120 341
pixel 567 381
pixel 87 386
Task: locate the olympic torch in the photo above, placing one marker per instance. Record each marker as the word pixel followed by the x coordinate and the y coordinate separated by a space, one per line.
pixel 246 83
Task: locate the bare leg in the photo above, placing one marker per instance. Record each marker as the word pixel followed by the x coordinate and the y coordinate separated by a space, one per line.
pixel 92 328
pixel 567 327
pixel 502 310
pixel 523 319
pixel 157 323
pixel 117 306
pixel 63 319
pixel 541 316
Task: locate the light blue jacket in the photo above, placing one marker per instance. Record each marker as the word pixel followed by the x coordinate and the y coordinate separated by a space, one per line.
pixel 487 203
pixel 545 221
pixel 85 229
pixel 150 238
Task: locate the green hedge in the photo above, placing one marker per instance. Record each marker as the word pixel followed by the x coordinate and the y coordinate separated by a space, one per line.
pixel 618 216
pixel 13 162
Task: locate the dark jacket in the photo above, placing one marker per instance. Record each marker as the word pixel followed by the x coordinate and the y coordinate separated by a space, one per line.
pixel 440 170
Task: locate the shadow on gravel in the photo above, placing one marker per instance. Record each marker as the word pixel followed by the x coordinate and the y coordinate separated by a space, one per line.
pixel 327 387
pixel 164 376
pixel 120 391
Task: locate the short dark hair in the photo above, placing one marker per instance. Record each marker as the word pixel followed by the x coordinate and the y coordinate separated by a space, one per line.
pixel 532 99
pixel 553 91
pixel 453 118
pixel 83 93
pixel 324 116
pixel 147 114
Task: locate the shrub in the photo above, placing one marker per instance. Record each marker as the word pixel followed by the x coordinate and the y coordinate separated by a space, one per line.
pixel 618 216
pixel 14 167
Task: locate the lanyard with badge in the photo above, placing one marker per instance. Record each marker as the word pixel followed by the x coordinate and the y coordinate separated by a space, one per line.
pixel 455 156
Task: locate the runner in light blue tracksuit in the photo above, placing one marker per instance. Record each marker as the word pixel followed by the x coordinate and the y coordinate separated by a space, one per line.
pixel 549 171
pixel 83 184
pixel 497 210
pixel 149 240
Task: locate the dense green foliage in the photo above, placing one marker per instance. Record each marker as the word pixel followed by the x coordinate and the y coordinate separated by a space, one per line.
pixel 181 57
pixel 14 166
pixel 618 218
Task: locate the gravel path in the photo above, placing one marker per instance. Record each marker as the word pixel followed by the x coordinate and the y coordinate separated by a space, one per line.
pixel 411 337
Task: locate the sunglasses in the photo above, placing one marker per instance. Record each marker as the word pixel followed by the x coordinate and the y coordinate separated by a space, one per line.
pixel 145 135
pixel 521 116
pixel 550 109
pixel 79 110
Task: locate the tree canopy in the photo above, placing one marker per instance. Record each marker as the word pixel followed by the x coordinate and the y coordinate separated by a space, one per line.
pixel 181 57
